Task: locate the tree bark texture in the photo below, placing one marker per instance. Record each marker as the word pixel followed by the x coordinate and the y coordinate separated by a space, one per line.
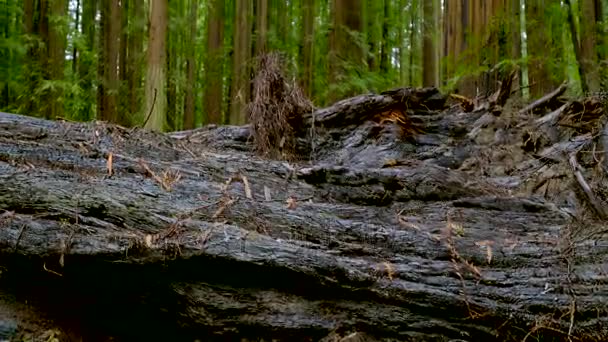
pixel 155 91
pixel 428 237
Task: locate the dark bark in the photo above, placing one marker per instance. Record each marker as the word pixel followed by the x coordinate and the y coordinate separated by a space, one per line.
pixel 381 237
pixel 135 56
pixel 190 97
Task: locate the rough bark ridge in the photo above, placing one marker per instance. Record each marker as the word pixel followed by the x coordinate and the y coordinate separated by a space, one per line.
pixel 464 231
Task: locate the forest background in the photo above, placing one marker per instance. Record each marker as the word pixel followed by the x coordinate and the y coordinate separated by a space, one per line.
pixel 173 65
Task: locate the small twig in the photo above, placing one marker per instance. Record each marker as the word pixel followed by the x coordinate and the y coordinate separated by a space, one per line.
pixel 19 236
pixel 51 271
pixel 586 188
pixel 248 193
pixel 543 100
pixel 151 109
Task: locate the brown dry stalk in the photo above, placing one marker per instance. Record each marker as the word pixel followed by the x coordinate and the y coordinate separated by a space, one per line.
pixel 276 112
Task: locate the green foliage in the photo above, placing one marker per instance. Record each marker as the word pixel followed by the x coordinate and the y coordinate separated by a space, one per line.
pixel 25 85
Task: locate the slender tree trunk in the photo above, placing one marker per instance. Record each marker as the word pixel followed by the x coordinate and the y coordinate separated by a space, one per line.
pixel 525 92
pixel 261 26
pixel 385 47
pixel 171 73
pixel 135 55
pixel 577 47
pixel 155 92
pixel 412 39
pixel 345 49
pixel 55 43
pixel 125 92
pixel 430 70
pixel 242 60
pixel 602 43
pixel 74 49
pixel 401 29
pixel 32 60
pixel 86 63
pixel 190 69
pixel 589 43
pixel 283 26
pixel 538 46
pixel 373 37
pixel 515 38
pixel 214 67
pixel 308 36
pixel 108 66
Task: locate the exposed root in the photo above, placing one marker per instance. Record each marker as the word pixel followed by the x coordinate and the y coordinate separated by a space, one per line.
pixel 276 111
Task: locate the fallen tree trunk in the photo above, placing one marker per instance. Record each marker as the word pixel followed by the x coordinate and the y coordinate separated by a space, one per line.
pixel 144 236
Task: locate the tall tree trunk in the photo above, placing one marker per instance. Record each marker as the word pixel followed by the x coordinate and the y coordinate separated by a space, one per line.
pixel 32 60
pixel 86 63
pixel 401 29
pixel 53 58
pixel 308 36
pixel 74 49
pixel 135 55
pixel 538 39
pixel 241 63
pixel 577 47
pixel 589 39
pixel 171 72
pixel 514 37
pixel 125 92
pixel 155 92
pixel 214 64
pixel 430 70
pixel 345 50
pixel 283 26
pixel 412 40
pixel 602 42
pixel 190 69
pixel 261 26
pixel 108 61
pixel 385 47
pixel 373 34
pixel 56 58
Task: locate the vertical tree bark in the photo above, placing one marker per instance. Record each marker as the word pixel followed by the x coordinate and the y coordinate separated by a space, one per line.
pixel 56 50
pixel 190 68
pixel 514 37
pixel 214 64
pixel 242 62
pixel 401 27
pixel 577 47
pixel 283 26
pixel 589 42
pixel 32 61
pixel 539 75
pixel 385 51
pixel 372 34
pixel 261 26
pixel 344 49
pixel 74 49
pixel 171 71
pixel 53 57
pixel 308 36
pixel 86 64
pixel 412 40
pixel 108 62
pixel 135 55
pixel 430 70
pixel 602 42
pixel 123 73
pixel 155 92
